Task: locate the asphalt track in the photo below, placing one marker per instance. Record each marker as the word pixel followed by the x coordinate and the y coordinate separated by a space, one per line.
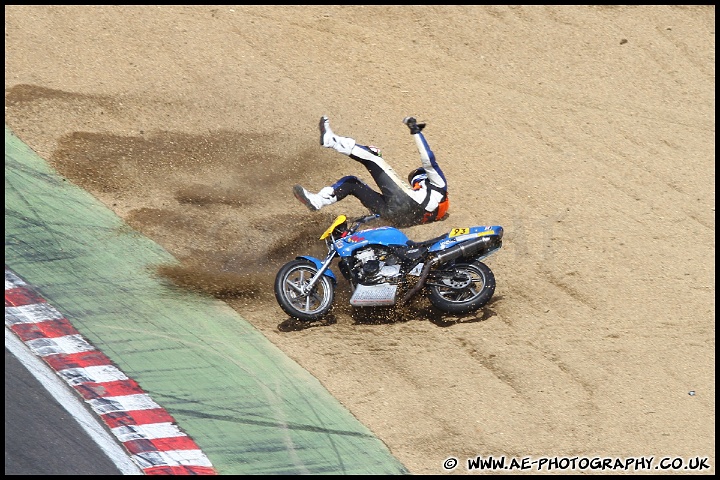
pixel 48 430
pixel 250 408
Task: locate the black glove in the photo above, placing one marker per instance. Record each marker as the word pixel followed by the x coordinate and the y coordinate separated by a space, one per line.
pixel 413 125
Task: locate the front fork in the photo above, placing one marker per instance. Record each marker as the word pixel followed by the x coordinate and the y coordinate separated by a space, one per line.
pixel 307 288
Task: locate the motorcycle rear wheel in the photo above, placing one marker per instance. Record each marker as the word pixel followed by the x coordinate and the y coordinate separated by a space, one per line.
pixel 288 291
pixel 456 298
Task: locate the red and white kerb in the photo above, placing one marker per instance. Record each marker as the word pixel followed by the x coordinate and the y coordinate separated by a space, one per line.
pixel 148 432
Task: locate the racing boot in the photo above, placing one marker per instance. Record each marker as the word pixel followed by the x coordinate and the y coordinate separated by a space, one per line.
pixel 328 139
pixel 315 201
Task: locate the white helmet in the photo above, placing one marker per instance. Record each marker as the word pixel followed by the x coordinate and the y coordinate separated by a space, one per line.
pixel 417 175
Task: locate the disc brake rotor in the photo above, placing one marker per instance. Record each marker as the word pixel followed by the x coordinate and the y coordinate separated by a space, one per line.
pixel 458 281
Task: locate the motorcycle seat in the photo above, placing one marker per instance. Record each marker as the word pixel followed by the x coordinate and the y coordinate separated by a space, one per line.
pixel 425 243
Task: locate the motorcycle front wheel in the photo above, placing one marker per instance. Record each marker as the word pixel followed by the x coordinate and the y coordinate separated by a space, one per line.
pixel 463 288
pixel 289 283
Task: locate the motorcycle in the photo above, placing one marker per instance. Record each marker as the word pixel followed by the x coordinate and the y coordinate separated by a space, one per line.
pixel 385 268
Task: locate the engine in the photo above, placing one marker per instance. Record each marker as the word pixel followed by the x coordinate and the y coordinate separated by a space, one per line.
pixel 374 265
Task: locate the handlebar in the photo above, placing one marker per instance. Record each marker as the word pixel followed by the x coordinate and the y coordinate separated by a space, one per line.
pixel 362 220
pixel 368 218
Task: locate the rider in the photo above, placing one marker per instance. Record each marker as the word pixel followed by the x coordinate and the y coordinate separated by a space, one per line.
pixel 425 200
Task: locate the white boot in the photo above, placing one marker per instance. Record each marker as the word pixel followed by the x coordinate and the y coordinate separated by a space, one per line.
pixel 328 139
pixel 315 201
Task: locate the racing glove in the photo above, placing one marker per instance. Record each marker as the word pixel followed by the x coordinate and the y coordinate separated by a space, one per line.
pixel 413 125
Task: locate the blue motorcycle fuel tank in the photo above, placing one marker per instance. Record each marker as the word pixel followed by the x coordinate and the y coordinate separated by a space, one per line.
pixel 388 236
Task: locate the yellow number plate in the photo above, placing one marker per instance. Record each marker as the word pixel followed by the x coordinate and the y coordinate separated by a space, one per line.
pixel 338 221
pixel 458 231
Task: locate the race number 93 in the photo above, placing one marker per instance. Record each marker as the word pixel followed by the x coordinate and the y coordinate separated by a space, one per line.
pixel 458 231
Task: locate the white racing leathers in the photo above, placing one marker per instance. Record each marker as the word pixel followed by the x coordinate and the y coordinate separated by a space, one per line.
pixel 397 201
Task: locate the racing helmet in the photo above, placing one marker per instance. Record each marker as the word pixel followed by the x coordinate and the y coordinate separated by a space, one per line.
pixel 416 175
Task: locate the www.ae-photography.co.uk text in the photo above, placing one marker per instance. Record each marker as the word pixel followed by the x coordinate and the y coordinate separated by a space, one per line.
pixel 607 464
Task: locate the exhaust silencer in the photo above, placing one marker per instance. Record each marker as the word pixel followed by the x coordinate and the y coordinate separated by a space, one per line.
pixel 465 249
